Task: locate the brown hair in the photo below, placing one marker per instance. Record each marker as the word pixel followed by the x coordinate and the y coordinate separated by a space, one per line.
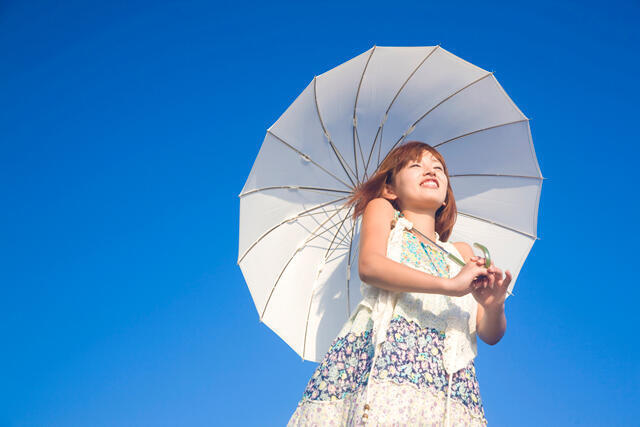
pixel 385 174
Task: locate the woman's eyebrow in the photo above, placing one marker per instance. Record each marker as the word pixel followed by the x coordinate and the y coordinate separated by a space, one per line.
pixel 433 159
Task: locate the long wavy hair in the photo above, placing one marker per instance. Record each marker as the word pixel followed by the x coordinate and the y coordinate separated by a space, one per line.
pixel 385 174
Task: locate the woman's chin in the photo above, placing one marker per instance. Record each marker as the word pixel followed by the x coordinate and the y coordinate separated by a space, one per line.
pixel 428 205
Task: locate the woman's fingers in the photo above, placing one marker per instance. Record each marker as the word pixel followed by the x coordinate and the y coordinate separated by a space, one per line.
pixel 492 280
pixel 497 273
pixel 507 280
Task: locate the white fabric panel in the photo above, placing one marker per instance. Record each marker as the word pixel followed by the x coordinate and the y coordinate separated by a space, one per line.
pixel 479 106
pixel 330 291
pixel 336 92
pixel 261 211
pixel 504 150
pixel 278 164
pixel 388 69
pixel 505 200
pixel 262 264
pixel 289 306
pixel 287 310
pixel 439 76
pixel 300 127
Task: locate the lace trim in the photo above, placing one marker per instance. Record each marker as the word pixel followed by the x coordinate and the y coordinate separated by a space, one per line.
pixel 355 402
pixel 435 393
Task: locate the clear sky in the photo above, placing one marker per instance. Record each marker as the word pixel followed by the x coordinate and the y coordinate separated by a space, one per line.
pixel 128 128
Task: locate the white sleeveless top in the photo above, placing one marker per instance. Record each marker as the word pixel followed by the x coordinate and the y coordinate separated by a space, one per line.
pixel 456 316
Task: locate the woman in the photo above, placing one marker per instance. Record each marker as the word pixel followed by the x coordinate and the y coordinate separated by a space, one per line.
pixel 406 354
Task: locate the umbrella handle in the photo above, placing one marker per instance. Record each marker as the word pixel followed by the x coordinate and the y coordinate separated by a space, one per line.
pixel 456 259
pixel 487 256
pixel 485 251
pixel 483 248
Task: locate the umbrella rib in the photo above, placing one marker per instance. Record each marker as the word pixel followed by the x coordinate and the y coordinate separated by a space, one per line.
pixel 479 130
pixel 349 270
pixel 497 174
pixel 324 211
pixel 386 114
pixel 331 226
pixel 355 105
pixel 298 249
pixel 341 240
pixel 499 225
pixel 298 215
pixel 293 187
pixel 361 153
pixel 327 254
pixel 339 244
pixel 307 158
pixel 412 127
pixel 341 160
pixel 375 141
pixel 313 290
pixel 379 151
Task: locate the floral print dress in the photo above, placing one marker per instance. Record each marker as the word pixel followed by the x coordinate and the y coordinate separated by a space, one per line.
pixel 405 381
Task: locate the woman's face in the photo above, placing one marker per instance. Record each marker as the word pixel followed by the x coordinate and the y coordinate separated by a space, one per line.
pixel 421 184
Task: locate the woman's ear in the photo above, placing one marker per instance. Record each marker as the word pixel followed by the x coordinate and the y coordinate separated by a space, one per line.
pixel 388 193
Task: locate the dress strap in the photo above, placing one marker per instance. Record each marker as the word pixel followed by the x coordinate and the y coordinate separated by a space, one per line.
pixel 384 304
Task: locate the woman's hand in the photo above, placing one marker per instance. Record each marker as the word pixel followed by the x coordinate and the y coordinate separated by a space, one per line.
pixel 469 277
pixel 492 292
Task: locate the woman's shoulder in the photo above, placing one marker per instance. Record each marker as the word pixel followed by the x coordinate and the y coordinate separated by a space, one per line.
pixel 380 203
pixel 379 208
pixel 376 226
pixel 464 249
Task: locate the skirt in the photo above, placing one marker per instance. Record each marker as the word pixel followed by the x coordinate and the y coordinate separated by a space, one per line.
pixel 408 385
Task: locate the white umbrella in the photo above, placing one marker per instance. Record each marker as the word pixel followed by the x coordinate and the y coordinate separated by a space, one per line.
pixel 298 244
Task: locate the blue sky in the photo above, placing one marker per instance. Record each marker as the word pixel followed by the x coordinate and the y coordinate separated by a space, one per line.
pixel 127 130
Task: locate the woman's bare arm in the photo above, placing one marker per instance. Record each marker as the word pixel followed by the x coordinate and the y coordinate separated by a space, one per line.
pixel 491 323
pixel 373 265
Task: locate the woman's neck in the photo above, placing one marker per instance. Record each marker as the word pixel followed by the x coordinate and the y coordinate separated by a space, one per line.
pixel 423 221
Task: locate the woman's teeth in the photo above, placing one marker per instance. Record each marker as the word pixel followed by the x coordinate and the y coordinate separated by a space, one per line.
pixel 429 184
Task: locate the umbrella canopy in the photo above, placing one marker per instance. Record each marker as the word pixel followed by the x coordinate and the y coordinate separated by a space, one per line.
pixel 298 245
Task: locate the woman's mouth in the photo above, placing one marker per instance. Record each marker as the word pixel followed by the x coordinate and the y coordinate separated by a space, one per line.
pixel 429 183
